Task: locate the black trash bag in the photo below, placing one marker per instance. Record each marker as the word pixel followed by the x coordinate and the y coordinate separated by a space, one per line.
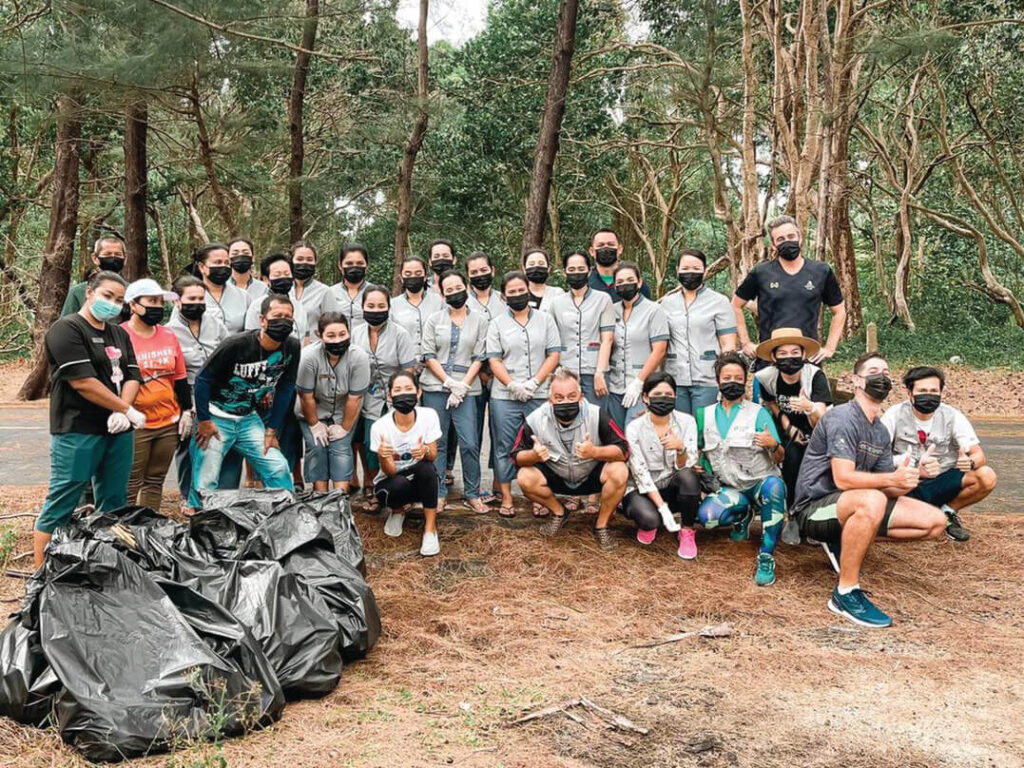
pixel 334 510
pixel 286 529
pixel 258 501
pixel 137 678
pixel 27 682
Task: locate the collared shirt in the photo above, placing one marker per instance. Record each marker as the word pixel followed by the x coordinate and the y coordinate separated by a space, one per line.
pixel 316 299
pixel 231 308
pixel 300 324
pixel 600 285
pixel 634 338
pixel 551 292
pixel 197 349
pixel 495 304
pixel 521 348
pixel 395 351
pixel 696 331
pixel 331 384
pixel 413 317
pixel 455 348
pixel 256 289
pixel 790 301
pixel 580 325
pixel 352 308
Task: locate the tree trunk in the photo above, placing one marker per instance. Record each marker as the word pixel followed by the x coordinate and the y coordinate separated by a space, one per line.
pixel 296 100
pixel 412 148
pixel 58 250
pixel 135 174
pixel 161 236
pixel 904 250
pixel 220 200
pixel 550 125
pixel 839 233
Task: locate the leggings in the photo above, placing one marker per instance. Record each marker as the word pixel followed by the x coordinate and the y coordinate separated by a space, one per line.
pixel 417 483
pixel 791 467
pixel 682 494
pixel 731 506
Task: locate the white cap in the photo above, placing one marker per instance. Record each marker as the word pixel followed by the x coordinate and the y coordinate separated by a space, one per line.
pixel 148 287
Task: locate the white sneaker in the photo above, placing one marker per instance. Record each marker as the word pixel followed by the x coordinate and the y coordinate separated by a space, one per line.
pixel 667 519
pixel 431 546
pixel 393 526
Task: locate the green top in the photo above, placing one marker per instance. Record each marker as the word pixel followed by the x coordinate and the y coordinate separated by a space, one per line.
pixel 75 299
pixel 723 423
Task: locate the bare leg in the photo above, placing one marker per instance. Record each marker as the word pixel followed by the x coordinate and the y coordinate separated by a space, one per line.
pixel 613 486
pixel 978 483
pixel 430 520
pixel 320 486
pixel 860 513
pixel 532 481
pixel 913 520
pixel 39 542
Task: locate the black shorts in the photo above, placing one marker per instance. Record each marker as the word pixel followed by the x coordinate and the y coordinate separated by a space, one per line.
pixel 819 519
pixel 940 490
pixel 558 486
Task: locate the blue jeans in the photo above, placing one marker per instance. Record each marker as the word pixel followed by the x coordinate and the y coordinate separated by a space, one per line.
pixel 587 385
pixel 463 419
pixel 481 404
pixel 246 435
pixel 619 413
pixel 507 417
pixel 690 398
pixel 332 462
pixel 731 506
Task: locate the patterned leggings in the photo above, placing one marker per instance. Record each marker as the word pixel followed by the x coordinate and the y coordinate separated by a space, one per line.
pixel 731 506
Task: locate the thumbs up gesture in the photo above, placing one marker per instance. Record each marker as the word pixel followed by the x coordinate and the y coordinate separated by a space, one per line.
pixel 385 450
pixel 963 461
pixel 764 439
pixel 801 403
pixel 670 441
pixel 419 450
pixel 585 449
pixel 928 464
pixel 906 477
pixel 540 450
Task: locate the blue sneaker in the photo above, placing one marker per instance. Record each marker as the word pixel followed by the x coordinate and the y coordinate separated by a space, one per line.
pixel 857 608
pixel 765 575
pixel 741 530
pixel 832 550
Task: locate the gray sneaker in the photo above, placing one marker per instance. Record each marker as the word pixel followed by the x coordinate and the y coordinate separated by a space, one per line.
pixel 605 542
pixel 554 524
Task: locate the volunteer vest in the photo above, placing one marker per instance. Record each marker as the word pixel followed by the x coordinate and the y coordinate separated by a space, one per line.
pixel 561 460
pixel 737 462
pixel 942 436
pixel 769 379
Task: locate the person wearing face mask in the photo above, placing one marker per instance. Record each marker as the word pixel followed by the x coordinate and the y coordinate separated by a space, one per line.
pixel 789 291
pixel 276 274
pixel 107 255
pixel 333 377
pixel 741 448
pixel 348 294
pixel 415 304
pixel 314 296
pixel 198 336
pixel 639 345
pixel 605 251
pixel 441 255
pixel 850 491
pixel 245 371
pixel 164 396
pixel 536 267
pixel 223 300
pixel 94 380
pixel 240 255
pixel 702 326
pixel 796 393
pixel 405 439
pixel 943 444
pixel 570 447
pixel 391 349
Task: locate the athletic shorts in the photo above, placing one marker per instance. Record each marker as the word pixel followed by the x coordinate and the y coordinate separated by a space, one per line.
pixel 940 490
pixel 819 518
pixel 558 486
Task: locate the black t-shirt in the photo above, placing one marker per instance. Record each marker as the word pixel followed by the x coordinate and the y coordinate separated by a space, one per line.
pixel 76 350
pixel 820 392
pixel 243 376
pixel 790 301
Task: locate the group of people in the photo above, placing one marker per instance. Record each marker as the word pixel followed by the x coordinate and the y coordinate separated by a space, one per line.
pixel 594 397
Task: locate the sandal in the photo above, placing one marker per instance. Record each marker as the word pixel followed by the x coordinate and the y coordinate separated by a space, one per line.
pixel 571 504
pixel 590 508
pixel 370 504
pixel 507 511
pixel 539 510
pixel 478 506
pixel 490 498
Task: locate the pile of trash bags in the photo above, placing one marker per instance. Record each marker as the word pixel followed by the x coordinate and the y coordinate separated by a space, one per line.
pixel 141 634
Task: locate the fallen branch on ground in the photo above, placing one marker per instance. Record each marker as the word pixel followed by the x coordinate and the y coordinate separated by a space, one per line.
pixel 718 630
pixel 610 719
pixel 19 514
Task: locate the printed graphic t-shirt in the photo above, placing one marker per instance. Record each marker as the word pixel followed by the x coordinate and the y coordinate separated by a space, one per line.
pixel 161 363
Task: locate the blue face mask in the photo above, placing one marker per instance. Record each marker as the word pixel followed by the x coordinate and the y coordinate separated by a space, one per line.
pixel 105 310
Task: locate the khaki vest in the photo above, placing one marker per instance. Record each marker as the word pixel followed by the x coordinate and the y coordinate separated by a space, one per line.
pixel 562 461
pixel 736 461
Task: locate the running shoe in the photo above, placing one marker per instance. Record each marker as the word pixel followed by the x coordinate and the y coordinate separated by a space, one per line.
pixel 554 524
pixel 741 531
pixel 856 607
pixel 605 542
pixel 687 544
pixel 954 528
pixel 765 575
pixel 646 537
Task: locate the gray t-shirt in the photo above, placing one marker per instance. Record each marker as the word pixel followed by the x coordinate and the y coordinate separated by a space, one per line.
pixel 843 433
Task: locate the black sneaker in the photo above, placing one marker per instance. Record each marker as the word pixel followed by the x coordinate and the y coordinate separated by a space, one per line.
pixel 554 525
pixel 954 528
pixel 832 550
pixel 605 542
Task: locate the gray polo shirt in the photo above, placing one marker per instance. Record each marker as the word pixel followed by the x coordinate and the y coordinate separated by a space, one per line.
pixel 696 331
pixel 314 296
pixel 413 317
pixel 231 308
pixel 551 292
pixel 470 347
pixel 580 325
pixel 495 304
pixel 522 348
pixel 197 349
pixel 331 385
pixel 395 351
pixel 352 308
pixel 633 339
pixel 256 289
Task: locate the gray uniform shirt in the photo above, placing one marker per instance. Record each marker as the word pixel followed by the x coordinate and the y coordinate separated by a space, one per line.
pixel 331 385
pixel 349 307
pixel 256 289
pixel 413 317
pixel 231 308
pixel 695 332
pixel 437 345
pixel 633 339
pixel 580 327
pixel 522 348
pixel 317 298
pixel 495 304
pixel 197 349
pixel 395 352
pixel 551 292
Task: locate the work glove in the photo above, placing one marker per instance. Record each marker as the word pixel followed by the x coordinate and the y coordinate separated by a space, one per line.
pixel 454 400
pixel 457 387
pixel 667 519
pixel 519 391
pixel 118 423
pixel 336 432
pixel 531 387
pixel 632 394
pixel 188 418
pixel 319 432
pixel 137 418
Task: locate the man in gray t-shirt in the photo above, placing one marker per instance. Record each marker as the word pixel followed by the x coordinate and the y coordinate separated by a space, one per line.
pixel 849 491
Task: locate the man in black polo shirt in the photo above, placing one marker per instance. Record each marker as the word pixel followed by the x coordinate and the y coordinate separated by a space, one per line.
pixel 789 291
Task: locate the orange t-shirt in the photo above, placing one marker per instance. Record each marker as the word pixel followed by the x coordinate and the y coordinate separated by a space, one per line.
pixel 161 363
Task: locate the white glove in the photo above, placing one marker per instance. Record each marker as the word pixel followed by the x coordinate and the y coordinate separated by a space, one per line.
pixel 319 432
pixel 632 394
pixel 667 519
pixel 457 387
pixel 454 400
pixel 185 423
pixel 137 418
pixel 519 391
pixel 117 423
pixel 336 432
pixel 531 387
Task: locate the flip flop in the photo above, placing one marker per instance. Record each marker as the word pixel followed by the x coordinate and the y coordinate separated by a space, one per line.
pixel 506 511
pixel 539 510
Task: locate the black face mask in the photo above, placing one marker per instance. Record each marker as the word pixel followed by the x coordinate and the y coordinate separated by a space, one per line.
pixel 577 279
pixel 790 365
pixel 375 318
pixel 457 300
pixel 628 291
pixel 354 275
pixel 441 265
pixel 414 284
pixel 111 263
pixel 661 406
pixel 606 256
pixel 877 386
pixel 192 311
pixel 518 302
pixel 152 315
pixel 280 328
pixel 282 285
pixel 337 348
pixel 241 263
pixel 404 403
pixel 482 282
pixel 788 250
pixel 219 275
pixel 303 271
pixel 566 412
pixel 927 403
pixel 732 390
pixel 537 274
pixel 691 281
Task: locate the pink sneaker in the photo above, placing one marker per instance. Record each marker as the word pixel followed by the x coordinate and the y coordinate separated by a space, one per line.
pixel 688 544
pixel 646 537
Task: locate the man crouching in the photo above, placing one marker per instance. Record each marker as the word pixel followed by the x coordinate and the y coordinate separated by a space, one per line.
pixel 570 447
